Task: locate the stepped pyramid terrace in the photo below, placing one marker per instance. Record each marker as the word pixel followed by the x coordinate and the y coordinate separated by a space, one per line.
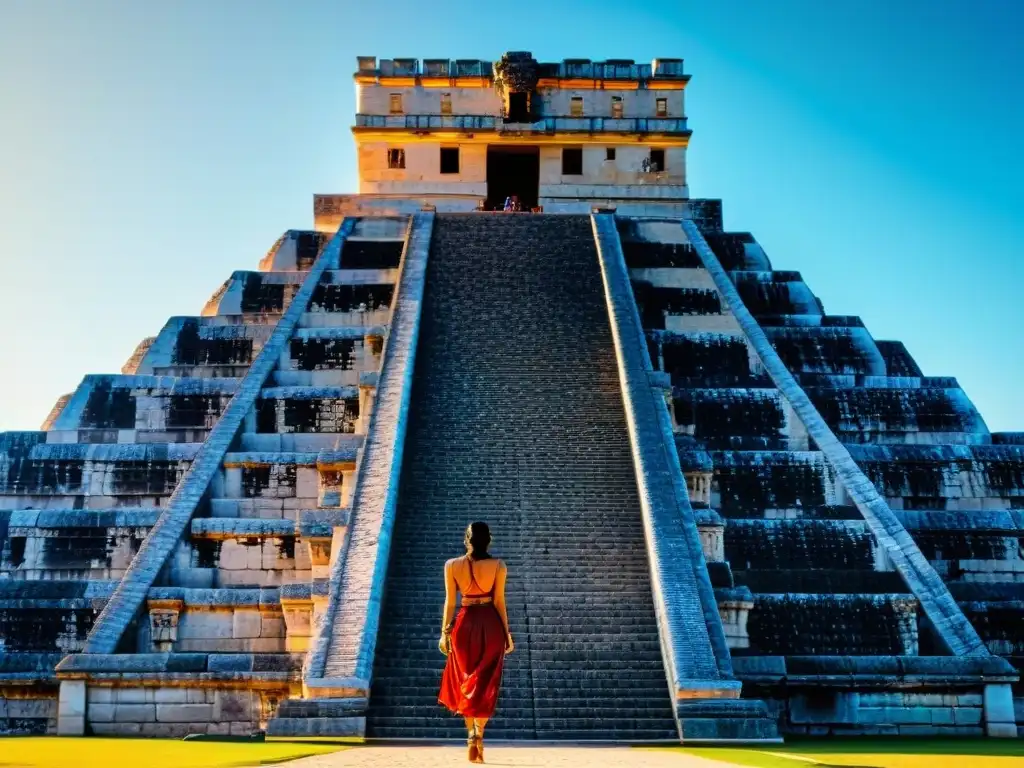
pixel 728 514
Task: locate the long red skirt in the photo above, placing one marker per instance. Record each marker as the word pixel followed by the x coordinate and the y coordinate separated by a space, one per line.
pixel 472 676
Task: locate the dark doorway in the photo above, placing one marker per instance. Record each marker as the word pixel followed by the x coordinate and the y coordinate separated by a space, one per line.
pixel 513 171
pixel 518 108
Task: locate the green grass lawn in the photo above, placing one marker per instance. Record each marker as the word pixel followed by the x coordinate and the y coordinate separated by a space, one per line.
pixel 59 752
pixel 875 753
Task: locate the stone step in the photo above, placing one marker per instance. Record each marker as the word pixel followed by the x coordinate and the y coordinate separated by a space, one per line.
pixel 524 707
pixel 618 718
pixel 530 731
pixel 626 641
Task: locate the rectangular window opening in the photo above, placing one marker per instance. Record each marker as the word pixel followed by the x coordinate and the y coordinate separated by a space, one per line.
pixel 572 162
pixel 657 160
pixel 446 103
pixel 609 153
pixel 396 104
pixel 661 109
pixel 576 106
pixel 449 159
pixel 396 158
pixel 617 106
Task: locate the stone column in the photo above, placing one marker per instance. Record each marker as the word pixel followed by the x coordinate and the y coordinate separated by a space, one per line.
pixel 319 555
pixel 367 395
pixel 699 486
pixel 712 541
pixel 298 622
pixel 163 623
pixel 998 711
pixel 71 708
pixel 734 608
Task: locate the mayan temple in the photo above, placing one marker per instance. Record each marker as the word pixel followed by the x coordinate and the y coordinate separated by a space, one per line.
pixel 727 514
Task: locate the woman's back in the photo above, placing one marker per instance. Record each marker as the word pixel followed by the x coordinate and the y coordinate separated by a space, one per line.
pixel 475 578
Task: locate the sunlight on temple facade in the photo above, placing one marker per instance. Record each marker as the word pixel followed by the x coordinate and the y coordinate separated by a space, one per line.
pixel 728 514
pixel 467 135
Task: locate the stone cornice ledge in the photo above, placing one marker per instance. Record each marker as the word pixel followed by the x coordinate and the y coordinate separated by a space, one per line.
pixel 693 640
pixel 946 617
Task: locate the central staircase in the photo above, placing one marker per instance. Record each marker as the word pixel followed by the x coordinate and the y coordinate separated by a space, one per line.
pixel 517 419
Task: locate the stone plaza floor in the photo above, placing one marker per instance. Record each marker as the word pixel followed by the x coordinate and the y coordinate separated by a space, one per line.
pixel 511 756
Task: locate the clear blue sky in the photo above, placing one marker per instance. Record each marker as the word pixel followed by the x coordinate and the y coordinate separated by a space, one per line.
pixel 148 149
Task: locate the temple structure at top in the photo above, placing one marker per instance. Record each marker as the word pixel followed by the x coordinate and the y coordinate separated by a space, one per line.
pixel 468 135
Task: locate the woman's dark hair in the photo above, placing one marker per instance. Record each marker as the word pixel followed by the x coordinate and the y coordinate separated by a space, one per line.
pixel 478 538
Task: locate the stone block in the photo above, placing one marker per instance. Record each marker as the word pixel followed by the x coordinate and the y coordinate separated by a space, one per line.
pixel 246 624
pixel 307 482
pixel 172 730
pixel 942 716
pixel 199 695
pixel 271 557
pixel 100 695
pixel 271 625
pixel 998 710
pixel 72 698
pixel 134 696
pixel 101 712
pixel 116 729
pixel 205 625
pixel 264 645
pixel 34 709
pixel 829 707
pixel 254 556
pixel 923 700
pixel 1001 730
pixel 235 706
pixel 184 713
pixel 170 696
pixel 135 713
pixel 241 729
pixel 967 716
pixel 70 708
pixel 233 556
pixel 896 715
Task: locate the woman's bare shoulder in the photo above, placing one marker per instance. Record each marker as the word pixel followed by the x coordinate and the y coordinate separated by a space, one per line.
pixel 451 563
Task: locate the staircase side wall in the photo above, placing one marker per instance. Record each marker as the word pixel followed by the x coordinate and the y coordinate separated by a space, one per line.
pixel 696 655
pixel 945 615
pixel 341 660
pixel 131 592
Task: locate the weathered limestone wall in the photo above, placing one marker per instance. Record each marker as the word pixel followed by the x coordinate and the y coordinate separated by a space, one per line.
pixel 422 172
pixel 624 170
pixel 28 710
pixel 635 102
pixel 884 713
pixel 374 99
pixel 173 712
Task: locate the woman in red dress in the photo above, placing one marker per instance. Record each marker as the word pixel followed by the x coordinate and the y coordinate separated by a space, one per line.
pixel 478 639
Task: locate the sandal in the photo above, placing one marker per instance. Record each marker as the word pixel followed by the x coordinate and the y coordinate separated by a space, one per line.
pixel 473 752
